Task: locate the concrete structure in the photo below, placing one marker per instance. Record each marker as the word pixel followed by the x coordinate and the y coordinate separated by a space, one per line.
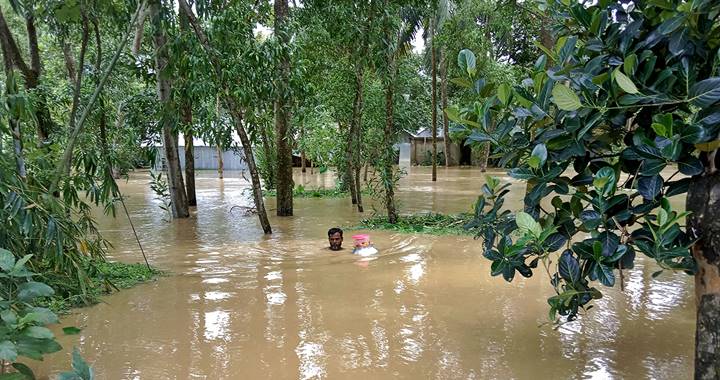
pixel 206 156
pixel 421 149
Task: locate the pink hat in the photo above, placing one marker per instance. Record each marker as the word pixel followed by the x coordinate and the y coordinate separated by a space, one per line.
pixel 361 237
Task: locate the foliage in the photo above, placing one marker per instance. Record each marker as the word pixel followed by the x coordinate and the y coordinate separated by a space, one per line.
pixel 430 223
pixel 159 186
pixel 22 331
pixel 301 192
pixel 626 92
pixel 81 370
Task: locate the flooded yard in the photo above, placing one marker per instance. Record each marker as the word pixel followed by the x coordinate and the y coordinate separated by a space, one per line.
pixel 240 305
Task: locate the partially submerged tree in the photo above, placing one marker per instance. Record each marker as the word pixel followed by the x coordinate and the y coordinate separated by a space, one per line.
pixel 633 89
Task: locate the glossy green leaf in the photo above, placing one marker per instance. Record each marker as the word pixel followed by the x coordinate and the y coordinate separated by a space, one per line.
pixel 705 93
pixel 565 98
pixel 625 83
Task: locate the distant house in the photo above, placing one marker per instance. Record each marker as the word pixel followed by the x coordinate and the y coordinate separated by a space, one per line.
pixel 206 156
pixel 421 149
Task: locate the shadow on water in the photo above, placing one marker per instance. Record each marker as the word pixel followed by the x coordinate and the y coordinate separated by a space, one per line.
pixel 243 305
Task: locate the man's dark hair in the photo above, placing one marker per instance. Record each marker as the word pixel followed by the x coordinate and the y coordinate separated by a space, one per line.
pixel 333 231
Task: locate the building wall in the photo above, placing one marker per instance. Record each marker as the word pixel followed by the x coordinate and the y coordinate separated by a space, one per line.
pixel 206 158
pixel 421 148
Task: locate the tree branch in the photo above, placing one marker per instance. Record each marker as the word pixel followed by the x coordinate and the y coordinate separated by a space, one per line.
pixel 11 48
pixel 33 43
pixel 67 154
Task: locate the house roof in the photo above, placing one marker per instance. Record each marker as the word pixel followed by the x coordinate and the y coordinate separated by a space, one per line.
pixel 426 133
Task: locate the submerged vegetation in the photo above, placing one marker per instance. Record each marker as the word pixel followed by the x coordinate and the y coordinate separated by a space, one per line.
pixel 302 192
pixel 431 223
pixel 105 278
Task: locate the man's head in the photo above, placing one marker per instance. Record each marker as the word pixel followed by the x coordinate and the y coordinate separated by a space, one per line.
pixel 335 236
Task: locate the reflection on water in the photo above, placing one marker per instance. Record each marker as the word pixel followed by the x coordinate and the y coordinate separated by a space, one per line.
pixel 244 305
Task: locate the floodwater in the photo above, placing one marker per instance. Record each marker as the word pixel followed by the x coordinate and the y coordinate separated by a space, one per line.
pixel 240 305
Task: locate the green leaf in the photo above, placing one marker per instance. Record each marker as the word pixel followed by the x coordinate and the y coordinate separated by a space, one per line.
pixel 604 180
pixel 705 93
pixel 650 187
pixel 80 366
pixel 466 61
pixel 691 166
pixel 8 316
pixel 659 129
pixel 605 275
pixel 40 315
pixel 624 82
pixel 7 260
pixel 13 376
pixel 462 82
pixel 38 332
pixel 569 267
pixel 526 223
pixel 565 98
pixel 630 64
pixel 8 351
pixel 538 156
pixel 71 330
pixel 25 370
pixel 30 290
pixel 503 93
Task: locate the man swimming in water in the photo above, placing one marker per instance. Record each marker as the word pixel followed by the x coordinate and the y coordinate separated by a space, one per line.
pixel 335 237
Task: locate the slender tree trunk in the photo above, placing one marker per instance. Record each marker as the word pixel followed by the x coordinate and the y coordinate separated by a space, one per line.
pixel 31 73
pixel 387 165
pixel 434 101
pixel 485 156
pixel 252 167
pixel 236 114
pixel 11 89
pixel 444 103
pixel 282 115
pixel 365 175
pixel 704 206
pixel 354 137
pixel 186 114
pixel 220 162
pixel 302 162
pixel 174 172
pixel 190 169
pixel 69 59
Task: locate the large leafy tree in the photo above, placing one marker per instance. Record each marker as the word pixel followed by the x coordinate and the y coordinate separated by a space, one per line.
pixel 630 90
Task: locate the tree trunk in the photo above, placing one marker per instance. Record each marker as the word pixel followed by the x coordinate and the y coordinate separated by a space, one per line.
pixel 189 154
pixel 365 175
pixel 302 162
pixel 11 89
pixel 282 115
pixel 220 162
pixel 444 103
pixel 176 184
pixel 252 167
pixel 31 73
pixel 387 165
pixel 235 113
pixel 190 168
pixel 354 137
pixel 704 206
pixel 485 156
pixel 434 101
pixel 69 59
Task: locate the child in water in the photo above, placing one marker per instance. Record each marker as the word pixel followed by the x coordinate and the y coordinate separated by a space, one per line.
pixel 363 246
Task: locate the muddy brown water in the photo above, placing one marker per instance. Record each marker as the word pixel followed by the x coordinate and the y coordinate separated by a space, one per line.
pixel 240 305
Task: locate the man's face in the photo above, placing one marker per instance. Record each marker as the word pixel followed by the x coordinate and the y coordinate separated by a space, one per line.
pixel 336 240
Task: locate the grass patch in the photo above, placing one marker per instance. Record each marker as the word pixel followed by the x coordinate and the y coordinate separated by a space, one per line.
pixel 104 278
pixel 301 192
pixel 433 224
